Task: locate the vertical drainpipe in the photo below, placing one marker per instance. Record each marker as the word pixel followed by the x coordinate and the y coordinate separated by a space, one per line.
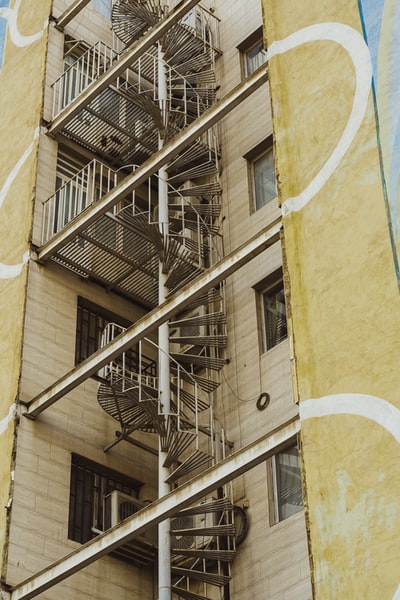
pixel 164 538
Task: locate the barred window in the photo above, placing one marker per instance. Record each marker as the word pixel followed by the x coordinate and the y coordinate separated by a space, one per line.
pixel 90 483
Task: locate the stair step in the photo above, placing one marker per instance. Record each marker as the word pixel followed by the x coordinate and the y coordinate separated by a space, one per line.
pixel 129 20
pixel 202 170
pixel 187 398
pixel 194 461
pixel 192 222
pixel 212 506
pixel 212 578
pixel 215 318
pixel 207 385
pixel 213 530
pixel 215 364
pixel 214 555
pixel 186 594
pixel 206 189
pixel 211 341
pixel 180 441
pixel 209 211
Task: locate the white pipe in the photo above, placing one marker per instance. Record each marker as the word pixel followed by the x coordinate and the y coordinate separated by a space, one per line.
pixel 164 536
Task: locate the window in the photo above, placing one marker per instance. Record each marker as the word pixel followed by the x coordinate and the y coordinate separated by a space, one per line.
pixel 264 183
pixel 103 7
pixel 90 323
pixel 252 52
pixel 79 69
pixel 287 497
pixel 89 484
pixel 261 174
pixel 274 315
pixel 255 57
pixel 272 311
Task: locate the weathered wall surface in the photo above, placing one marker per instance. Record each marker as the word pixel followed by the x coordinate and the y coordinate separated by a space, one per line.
pixel 23 36
pixel 337 159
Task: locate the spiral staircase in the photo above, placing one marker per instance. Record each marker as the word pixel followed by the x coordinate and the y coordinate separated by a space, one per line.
pixel 123 250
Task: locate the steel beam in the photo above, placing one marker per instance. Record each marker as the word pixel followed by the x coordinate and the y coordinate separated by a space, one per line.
pixel 188 493
pixel 153 164
pixel 126 60
pixel 228 265
pixel 70 13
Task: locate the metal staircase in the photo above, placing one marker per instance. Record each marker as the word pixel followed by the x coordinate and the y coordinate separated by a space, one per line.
pixel 125 248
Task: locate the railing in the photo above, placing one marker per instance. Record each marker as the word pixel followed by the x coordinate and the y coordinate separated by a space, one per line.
pixel 131 365
pixel 205 23
pixel 76 78
pixel 69 200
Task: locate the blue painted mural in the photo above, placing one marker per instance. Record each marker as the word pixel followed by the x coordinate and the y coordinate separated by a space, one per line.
pixel 4 11
pixel 381 27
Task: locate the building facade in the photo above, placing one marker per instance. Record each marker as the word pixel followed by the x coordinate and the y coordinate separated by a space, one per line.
pixel 166 318
pixel 338 173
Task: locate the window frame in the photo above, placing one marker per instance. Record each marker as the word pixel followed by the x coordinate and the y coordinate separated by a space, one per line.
pixel 268 285
pixel 276 514
pixel 90 482
pixel 246 46
pixel 252 157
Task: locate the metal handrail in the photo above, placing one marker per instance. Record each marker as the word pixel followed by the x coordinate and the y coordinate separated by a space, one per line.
pixel 83 189
pixel 78 76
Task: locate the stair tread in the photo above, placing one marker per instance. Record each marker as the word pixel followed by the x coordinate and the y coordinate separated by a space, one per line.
pixel 212 578
pixel 187 594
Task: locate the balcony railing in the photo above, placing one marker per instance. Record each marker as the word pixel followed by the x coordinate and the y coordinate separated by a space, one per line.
pixel 88 67
pixel 69 200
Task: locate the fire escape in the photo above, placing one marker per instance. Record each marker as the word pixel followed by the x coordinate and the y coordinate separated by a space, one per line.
pixel 151 244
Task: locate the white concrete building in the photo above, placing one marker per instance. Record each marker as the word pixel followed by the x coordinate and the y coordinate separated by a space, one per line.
pixel 155 372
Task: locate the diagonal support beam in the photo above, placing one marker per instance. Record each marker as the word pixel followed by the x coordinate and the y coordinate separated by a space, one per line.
pixel 228 265
pixel 235 465
pixel 70 13
pixel 126 60
pixel 153 164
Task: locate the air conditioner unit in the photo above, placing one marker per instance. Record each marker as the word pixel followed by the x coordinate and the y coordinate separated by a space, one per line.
pixel 118 506
pixel 182 330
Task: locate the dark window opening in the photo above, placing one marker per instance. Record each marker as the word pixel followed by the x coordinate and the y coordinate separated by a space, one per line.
pixel 90 483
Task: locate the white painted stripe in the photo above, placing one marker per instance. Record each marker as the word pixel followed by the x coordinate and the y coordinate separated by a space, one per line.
pixel 6 420
pixel 11 271
pixel 375 409
pixel 16 37
pixel 355 45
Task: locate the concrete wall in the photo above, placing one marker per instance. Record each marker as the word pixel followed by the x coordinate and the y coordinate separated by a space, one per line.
pixel 272 562
pixel 23 38
pixel 38 524
pixel 340 206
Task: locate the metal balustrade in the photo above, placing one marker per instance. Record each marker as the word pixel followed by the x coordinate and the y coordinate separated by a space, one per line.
pixel 76 78
pixel 75 195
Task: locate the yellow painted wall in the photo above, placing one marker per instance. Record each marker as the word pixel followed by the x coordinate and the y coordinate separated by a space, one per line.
pixel 343 292
pixel 22 54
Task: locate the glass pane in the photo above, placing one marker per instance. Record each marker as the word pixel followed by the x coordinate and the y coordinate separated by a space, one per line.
pixel 290 496
pixel 275 316
pixel 264 179
pixel 255 57
pixel 103 7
